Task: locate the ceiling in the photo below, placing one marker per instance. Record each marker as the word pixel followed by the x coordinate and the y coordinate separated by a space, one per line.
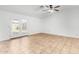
pixel 32 10
pixel 29 10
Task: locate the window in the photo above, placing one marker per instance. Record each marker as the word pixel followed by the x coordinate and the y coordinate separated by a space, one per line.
pixel 18 25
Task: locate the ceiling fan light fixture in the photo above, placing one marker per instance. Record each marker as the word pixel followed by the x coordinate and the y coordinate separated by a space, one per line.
pixel 50 11
pixel 50 8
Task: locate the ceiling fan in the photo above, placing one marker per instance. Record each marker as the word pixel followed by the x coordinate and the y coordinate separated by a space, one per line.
pixel 50 8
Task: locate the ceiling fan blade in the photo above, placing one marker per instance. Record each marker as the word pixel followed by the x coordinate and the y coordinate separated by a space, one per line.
pixel 38 8
pixel 47 6
pixel 57 6
pixel 56 10
pixel 41 6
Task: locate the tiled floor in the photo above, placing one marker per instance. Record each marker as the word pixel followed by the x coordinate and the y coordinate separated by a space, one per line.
pixel 41 43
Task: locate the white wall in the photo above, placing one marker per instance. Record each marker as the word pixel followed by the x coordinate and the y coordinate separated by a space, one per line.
pixel 33 25
pixel 4 26
pixel 65 22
